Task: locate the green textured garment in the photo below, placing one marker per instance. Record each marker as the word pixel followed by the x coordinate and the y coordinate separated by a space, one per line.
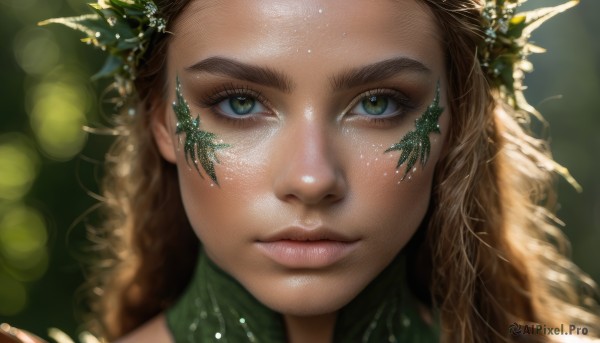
pixel 217 308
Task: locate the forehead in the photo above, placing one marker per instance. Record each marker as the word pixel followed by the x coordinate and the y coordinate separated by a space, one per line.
pixel 287 33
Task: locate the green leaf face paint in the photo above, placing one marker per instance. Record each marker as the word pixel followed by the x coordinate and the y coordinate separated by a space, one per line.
pixel 199 146
pixel 415 145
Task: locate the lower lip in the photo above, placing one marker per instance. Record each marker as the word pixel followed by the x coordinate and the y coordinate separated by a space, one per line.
pixel 306 254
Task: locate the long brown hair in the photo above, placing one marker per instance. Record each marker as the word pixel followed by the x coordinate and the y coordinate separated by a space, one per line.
pixel 490 255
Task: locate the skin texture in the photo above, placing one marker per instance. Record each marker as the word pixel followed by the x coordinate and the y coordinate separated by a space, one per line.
pixel 307 158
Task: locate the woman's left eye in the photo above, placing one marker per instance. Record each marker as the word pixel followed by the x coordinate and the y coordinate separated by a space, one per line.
pixel 240 106
pixel 376 105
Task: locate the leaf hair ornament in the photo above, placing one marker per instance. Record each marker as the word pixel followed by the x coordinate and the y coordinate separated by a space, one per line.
pixel 123 29
pixel 199 146
pixel 415 145
pixel 504 51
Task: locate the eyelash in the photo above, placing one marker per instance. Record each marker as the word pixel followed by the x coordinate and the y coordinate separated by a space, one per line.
pixel 405 106
pixel 215 97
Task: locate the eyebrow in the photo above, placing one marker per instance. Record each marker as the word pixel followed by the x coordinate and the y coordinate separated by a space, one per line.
pixel 242 71
pixel 272 78
pixel 377 71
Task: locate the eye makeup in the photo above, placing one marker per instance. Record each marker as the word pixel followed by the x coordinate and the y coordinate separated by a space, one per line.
pixel 415 145
pixel 240 105
pixel 200 146
pixel 381 106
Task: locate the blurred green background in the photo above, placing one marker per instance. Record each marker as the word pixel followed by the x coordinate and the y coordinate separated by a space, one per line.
pixel 49 166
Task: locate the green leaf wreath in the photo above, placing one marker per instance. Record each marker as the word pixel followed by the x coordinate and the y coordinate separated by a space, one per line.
pixel 122 28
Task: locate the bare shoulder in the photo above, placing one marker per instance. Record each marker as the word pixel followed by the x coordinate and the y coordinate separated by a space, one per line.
pixel 155 331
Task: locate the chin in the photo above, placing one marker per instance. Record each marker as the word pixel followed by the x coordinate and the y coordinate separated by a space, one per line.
pixel 306 295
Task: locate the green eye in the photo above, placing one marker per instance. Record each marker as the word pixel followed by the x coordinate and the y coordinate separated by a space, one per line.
pixel 375 104
pixel 241 105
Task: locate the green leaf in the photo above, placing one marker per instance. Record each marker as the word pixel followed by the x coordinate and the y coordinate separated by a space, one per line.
pixel 415 145
pixel 88 24
pixel 199 146
pixel 127 5
pixel 112 64
pixel 537 17
pixel 516 26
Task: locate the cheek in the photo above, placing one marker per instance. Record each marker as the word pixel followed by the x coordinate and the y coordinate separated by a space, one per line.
pixel 393 206
pixel 218 212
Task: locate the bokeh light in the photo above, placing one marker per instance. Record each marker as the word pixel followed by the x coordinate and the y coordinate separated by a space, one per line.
pixel 19 164
pixel 23 253
pixel 59 104
pixel 23 237
pixel 13 296
pixel 36 50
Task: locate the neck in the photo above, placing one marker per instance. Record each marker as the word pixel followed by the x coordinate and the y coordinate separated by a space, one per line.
pixel 216 306
pixel 314 329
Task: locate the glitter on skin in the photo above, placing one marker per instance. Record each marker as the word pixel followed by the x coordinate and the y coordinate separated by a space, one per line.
pixel 199 145
pixel 415 145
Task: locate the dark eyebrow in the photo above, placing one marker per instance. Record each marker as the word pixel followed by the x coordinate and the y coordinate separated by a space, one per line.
pixel 238 70
pixel 376 72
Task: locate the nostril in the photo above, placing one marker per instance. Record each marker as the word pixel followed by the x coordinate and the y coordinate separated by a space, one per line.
pixel 332 197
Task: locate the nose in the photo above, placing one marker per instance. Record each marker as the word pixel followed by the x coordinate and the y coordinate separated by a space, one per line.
pixel 308 170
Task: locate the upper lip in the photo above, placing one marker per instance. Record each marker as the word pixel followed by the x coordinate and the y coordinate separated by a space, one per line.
pixel 297 233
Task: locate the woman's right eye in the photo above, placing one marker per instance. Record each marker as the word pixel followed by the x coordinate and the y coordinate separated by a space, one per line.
pixel 240 106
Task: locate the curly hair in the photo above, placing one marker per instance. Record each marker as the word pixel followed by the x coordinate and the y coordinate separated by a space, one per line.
pixel 482 252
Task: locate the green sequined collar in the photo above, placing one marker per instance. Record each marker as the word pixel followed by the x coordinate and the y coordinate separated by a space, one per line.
pixel 216 308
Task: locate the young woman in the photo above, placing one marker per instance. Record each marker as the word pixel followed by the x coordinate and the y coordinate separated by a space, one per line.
pixel 324 171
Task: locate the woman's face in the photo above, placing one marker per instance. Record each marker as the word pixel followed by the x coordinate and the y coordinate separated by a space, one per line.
pixel 308 95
